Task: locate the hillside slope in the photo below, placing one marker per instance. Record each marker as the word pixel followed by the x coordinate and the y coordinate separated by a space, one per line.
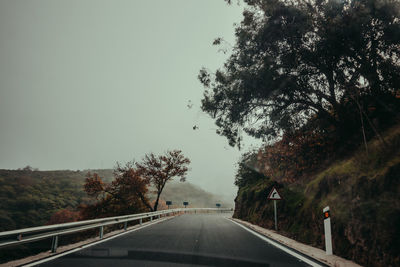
pixel 29 198
pixel 363 195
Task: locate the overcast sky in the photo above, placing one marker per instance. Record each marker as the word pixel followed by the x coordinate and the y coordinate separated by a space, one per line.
pixel 84 84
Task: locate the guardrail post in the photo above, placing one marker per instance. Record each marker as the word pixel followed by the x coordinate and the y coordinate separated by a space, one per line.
pixel 19 237
pixel 54 244
pixel 101 231
pixel 125 225
pixel 141 221
pixel 151 218
pixel 158 216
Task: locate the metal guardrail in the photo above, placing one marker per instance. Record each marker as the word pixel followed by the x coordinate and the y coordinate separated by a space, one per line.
pixel 32 234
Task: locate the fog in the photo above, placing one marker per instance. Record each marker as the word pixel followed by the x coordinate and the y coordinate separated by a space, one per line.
pixel 84 84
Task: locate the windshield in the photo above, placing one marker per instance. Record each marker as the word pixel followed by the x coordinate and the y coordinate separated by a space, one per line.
pixel 219 133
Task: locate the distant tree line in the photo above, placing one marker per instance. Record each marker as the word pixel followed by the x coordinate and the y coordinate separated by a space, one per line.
pixel 28 168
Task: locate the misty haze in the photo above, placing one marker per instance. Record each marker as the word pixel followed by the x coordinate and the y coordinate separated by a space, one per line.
pixel 209 132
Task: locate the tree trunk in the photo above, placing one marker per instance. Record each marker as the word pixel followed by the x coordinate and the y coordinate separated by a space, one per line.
pixel 363 130
pixel 385 145
pixel 146 203
pixel 332 95
pixel 156 203
pixel 158 195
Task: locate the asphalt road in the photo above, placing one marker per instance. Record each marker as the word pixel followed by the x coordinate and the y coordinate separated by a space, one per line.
pixel 187 240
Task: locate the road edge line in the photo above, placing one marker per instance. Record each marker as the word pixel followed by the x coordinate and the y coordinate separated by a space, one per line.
pixel 291 251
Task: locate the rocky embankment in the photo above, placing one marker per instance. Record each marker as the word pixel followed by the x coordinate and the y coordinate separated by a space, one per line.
pixel 362 192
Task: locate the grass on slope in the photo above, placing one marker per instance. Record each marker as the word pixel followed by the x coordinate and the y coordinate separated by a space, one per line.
pixel 362 192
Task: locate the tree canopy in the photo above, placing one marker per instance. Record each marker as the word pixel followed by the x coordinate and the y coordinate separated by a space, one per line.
pixel 128 192
pixel 294 61
pixel 158 170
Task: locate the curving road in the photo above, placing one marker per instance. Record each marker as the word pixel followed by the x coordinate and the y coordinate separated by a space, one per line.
pixel 187 240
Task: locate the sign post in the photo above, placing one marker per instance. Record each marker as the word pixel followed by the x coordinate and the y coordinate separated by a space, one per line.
pixel 169 203
pixel 276 217
pixel 274 195
pixel 327 229
pixel 218 206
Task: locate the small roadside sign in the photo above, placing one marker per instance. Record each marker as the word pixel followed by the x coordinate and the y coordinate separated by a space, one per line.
pixel 185 203
pixel 218 205
pixel 169 203
pixel 274 195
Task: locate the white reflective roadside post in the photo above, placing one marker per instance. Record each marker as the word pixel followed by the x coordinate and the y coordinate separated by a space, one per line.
pixel 274 195
pixel 276 217
pixel 327 229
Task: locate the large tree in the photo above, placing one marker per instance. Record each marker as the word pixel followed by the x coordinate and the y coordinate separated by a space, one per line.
pixel 126 194
pixel 301 59
pixel 158 170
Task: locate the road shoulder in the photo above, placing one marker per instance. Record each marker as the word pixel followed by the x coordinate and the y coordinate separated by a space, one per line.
pixel 315 253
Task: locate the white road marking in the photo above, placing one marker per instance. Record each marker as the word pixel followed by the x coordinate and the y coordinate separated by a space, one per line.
pixel 276 244
pixel 91 244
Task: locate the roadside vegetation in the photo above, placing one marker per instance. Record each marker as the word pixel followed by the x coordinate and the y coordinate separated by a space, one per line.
pixel 30 197
pixel 318 82
pixel 362 193
pixel 127 193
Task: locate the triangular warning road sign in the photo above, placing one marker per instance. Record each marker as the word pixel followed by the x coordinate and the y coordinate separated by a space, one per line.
pixel 274 194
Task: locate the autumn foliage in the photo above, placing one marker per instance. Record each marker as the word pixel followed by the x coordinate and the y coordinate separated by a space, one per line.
pixel 94 186
pixel 296 153
pixel 158 170
pixel 64 216
pixel 128 192
pixel 124 195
